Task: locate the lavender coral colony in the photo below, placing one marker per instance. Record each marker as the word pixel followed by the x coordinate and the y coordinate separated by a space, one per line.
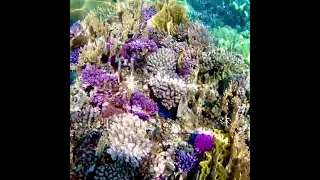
pixel 152 97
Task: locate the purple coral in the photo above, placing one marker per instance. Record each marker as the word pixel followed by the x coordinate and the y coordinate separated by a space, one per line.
pixel 93 76
pixel 141 44
pixel 96 97
pixel 203 142
pixel 143 106
pixel 115 103
pixel 147 13
pixel 74 56
pixel 186 66
pixel 75 28
pixel 186 161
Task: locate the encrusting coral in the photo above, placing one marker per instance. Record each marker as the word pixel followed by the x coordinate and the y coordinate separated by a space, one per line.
pixel 153 96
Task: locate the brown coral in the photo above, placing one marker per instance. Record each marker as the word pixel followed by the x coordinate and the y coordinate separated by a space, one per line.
pixel 92 52
pixel 238 166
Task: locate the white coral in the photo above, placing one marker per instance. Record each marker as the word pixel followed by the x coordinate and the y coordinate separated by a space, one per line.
pixel 161 165
pixel 168 89
pixel 163 60
pixel 128 138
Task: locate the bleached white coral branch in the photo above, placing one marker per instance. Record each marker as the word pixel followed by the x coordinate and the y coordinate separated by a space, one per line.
pixel 128 138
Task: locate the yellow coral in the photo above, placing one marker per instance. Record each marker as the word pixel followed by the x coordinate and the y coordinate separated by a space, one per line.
pixel 170 15
pixel 219 155
pixel 205 166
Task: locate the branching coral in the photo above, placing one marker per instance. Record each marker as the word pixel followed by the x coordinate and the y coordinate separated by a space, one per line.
pixel 96 23
pixel 128 139
pixel 147 13
pixel 159 166
pixel 93 76
pixel 238 166
pixel 96 96
pixel 186 55
pixel 139 49
pixel 168 90
pixel 141 44
pixel 143 106
pixel 74 56
pixel 92 52
pixel 171 43
pixel 188 62
pixel 115 103
pixel 222 63
pixel 196 34
pixel 163 60
pixel 186 161
pixel 78 98
pixel 75 28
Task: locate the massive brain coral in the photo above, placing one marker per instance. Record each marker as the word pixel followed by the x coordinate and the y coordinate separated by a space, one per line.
pixel 168 89
pixel 128 139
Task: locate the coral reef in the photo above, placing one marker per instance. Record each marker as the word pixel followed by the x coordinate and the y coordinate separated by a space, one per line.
pixel 163 60
pixel 143 106
pixel 92 76
pixel 128 141
pixel 74 56
pixel 203 142
pixel 186 161
pixel 155 95
pixel 114 171
pixel 168 89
